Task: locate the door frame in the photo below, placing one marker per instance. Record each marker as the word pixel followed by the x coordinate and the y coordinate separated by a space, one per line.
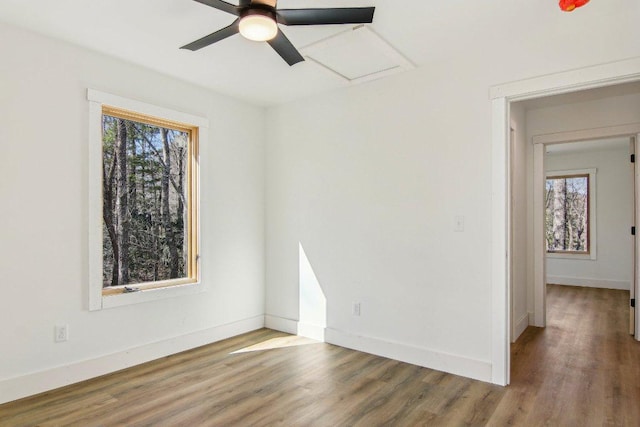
pixel 635 173
pixel 501 97
pixel 539 144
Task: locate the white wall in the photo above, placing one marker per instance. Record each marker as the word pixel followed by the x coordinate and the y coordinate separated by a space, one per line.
pixel 612 267
pixel 519 312
pixel 370 179
pixel 43 217
pixel 371 191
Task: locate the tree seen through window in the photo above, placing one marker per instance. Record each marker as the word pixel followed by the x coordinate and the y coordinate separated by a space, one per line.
pixel 567 213
pixel 144 202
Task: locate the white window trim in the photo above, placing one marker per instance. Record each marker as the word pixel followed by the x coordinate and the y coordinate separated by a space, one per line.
pixel 592 255
pixel 96 100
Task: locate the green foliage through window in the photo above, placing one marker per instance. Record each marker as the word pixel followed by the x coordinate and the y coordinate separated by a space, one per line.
pixel 145 202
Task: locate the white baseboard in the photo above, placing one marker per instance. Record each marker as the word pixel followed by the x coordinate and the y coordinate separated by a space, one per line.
pixel 453 364
pixel 39 382
pixel 28 385
pixel 519 326
pixel 589 282
pixel 458 365
pixel 281 324
pixel 294 327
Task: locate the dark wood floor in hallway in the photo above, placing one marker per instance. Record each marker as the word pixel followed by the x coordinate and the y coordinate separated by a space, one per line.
pixel 583 369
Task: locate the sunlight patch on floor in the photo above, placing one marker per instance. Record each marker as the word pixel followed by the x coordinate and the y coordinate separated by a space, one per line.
pixel 280 342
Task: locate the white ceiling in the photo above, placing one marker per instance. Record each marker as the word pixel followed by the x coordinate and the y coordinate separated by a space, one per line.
pixel 150 32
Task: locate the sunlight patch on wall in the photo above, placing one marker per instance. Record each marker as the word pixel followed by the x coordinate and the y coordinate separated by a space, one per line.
pixel 312 301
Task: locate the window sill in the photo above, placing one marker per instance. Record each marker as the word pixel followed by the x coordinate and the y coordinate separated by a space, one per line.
pixel 559 255
pixel 148 295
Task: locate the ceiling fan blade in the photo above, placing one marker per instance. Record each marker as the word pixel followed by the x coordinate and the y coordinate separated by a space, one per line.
pixel 346 15
pixel 213 37
pixel 222 5
pixel 285 49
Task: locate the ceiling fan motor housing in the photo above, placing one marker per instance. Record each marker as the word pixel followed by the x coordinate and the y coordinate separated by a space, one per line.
pixel 259 9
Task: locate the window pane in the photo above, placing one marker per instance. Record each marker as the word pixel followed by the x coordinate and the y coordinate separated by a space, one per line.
pixel 145 202
pixel 567 213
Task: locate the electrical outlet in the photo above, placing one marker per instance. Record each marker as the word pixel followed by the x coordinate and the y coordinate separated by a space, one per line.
pixel 61 333
pixel 356 309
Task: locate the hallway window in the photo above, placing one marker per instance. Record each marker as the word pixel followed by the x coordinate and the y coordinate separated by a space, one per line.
pixel 567 214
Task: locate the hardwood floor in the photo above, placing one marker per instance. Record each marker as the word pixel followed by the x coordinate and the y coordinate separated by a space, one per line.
pixel 583 369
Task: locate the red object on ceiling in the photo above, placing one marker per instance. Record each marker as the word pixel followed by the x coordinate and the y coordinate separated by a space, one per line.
pixel 570 5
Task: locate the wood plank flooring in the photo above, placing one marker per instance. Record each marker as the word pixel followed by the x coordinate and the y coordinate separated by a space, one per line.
pixel 582 370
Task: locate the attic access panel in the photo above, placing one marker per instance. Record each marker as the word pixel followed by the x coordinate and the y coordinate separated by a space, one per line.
pixel 357 55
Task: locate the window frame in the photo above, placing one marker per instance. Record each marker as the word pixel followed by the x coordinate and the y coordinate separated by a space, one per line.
pixel 591 253
pixel 103 103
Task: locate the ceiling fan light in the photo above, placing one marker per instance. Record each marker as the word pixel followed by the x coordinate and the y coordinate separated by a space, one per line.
pixel 258 27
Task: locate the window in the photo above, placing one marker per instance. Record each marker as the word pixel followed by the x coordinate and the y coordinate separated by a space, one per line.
pixel 144 196
pixel 147 199
pixel 569 223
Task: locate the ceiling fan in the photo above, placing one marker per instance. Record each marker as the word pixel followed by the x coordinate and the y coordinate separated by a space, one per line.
pixel 258 20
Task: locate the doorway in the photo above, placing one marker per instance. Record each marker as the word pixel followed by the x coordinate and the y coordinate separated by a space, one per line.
pixel 605 163
pixel 583 81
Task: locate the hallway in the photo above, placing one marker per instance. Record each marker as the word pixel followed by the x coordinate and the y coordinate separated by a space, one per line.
pixel 583 369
